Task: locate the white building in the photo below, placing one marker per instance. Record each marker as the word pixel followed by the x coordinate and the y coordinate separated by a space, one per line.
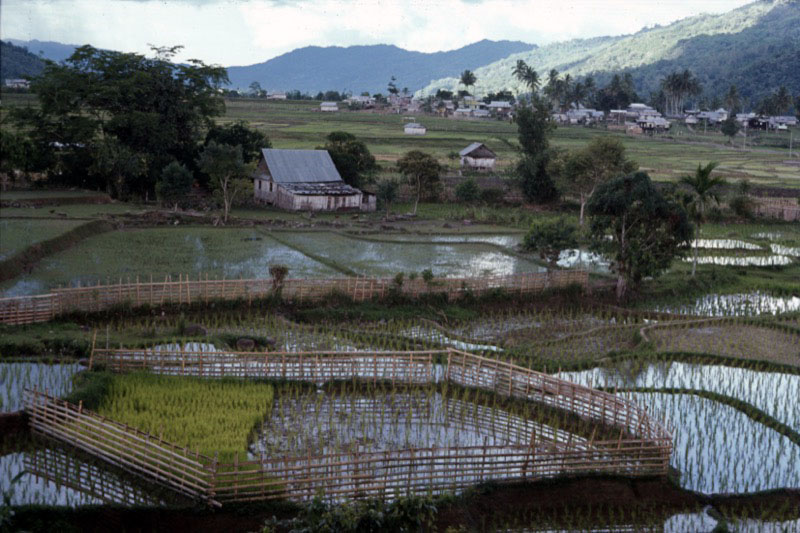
pixel 305 180
pixel 477 156
pixel 328 106
pixel 414 128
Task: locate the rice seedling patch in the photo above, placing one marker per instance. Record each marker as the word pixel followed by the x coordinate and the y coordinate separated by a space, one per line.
pixel 18 234
pixel 207 415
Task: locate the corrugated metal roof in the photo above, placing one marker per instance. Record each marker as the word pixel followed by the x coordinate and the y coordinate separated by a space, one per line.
pixel 414 125
pixel 486 152
pixel 300 166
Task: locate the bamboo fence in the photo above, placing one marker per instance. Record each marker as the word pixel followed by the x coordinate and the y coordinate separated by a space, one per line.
pixel 64 468
pixel 41 308
pixel 642 448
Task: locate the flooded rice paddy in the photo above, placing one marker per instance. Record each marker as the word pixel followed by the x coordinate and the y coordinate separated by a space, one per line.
pixel 719 449
pixel 771 392
pixel 16 377
pixel 740 304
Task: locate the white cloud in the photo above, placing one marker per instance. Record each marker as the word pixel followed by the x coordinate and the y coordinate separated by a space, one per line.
pixel 238 32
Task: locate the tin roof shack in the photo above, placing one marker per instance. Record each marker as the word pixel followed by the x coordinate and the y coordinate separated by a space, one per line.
pixel 477 156
pixel 305 180
pixel 413 128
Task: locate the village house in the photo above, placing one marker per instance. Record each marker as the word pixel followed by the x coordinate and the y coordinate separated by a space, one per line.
pixel 305 180
pixel 414 128
pixel 276 96
pixel 500 108
pixel 15 83
pixel 477 156
pixel 328 106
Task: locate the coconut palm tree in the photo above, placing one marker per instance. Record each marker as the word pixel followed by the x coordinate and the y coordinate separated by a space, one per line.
pixel 702 188
pixel 468 79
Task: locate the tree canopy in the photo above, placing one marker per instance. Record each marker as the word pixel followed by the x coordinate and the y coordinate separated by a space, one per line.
pixel 534 127
pixel 238 133
pixel 422 172
pixel 647 230
pixel 351 157
pixel 600 160
pixel 100 103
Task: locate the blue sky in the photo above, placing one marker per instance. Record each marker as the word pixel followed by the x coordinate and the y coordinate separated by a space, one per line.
pixel 241 32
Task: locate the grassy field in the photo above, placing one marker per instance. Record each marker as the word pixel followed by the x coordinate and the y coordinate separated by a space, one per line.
pixel 72 210
pixel 16 234
pixel 301 125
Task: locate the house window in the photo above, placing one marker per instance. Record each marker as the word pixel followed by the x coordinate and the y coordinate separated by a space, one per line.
pixel 270 186
pixel 259 185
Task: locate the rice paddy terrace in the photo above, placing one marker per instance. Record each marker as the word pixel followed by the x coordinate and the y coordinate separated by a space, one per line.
pixel 192 399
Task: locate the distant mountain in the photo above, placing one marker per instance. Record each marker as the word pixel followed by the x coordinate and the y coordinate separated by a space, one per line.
pixel 17 62
pixel 51 50
pixel 756 47
pixel 367 68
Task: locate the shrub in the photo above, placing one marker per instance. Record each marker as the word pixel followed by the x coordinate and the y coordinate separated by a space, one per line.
pixel 550 237
pixel 467 191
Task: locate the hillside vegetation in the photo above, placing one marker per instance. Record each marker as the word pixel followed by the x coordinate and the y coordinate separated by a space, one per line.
pixel 17 62
pixel 756 47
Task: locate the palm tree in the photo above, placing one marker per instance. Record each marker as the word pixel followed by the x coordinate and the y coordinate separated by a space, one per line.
pixel 701 186
pixel 468 79
pixel 732 100
pixel 783 100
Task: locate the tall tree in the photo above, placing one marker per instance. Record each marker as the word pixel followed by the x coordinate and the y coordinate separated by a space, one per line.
pixel 733 102
pixel 533 130
pixel 387 194
pixel 468 79
pixel 392 87
pixel 783 100
pixel 599 161
pixel 422 172
pixel 351 157
pixel 729 127
pixel 152 107
pixel 647 230
pixel 526 74
pixel 702 187
pixel 224 165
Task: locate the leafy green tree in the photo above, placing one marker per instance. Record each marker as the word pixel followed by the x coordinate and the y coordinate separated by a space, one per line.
pixel 238 133
pixel 647 229
pixel 468 79
pixel 175 183
pixel 533 130
pixel 422 172
pixel 387 193
pixel 468 191
pixel 550 237
pixel 599 161
pixel 120 166
pixel 729 127
pixel 225 167
pixel 150 106
pixel 352 158
pixel 702 187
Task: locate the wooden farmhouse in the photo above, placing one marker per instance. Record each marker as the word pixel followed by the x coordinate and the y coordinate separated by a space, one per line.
pixel 477 156
pixel 412 128
pixel 305 180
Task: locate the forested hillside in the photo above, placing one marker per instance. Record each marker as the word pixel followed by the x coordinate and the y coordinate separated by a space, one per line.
pixel 367 68
pixel 756 47
pixel 17 62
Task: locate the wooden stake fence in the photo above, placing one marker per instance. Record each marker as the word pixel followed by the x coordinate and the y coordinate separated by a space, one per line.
pixel 30 309
pixel 642 447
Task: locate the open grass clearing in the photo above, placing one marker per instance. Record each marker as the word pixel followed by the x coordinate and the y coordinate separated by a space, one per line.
pixel 43 193
pixel 18 234
pixel 68 211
